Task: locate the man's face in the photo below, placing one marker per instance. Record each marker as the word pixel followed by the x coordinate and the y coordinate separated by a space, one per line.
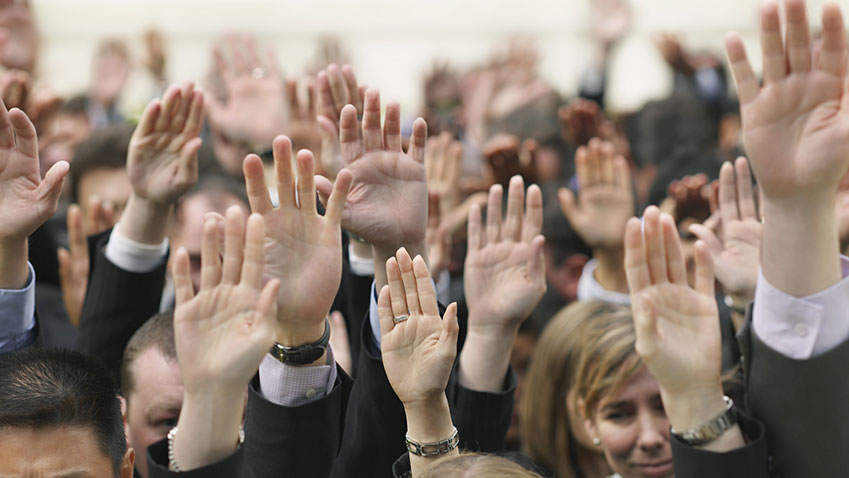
pixel 154 404
pixel 58 452
pixel 111 184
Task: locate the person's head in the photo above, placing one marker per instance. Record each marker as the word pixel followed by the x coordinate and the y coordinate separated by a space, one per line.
pixel 213 193
pixel 477 465
pixel 565 253
pixel 619 399
pixel 60 413
pixel 152 384
pixel 62 132
pixel 551 428
pixel 99 168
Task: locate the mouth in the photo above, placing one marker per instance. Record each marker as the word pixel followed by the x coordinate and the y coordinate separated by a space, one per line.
pixel 658 469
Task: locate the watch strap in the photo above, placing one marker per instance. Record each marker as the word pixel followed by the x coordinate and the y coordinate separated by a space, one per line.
pixel 710 431
pixel 302 354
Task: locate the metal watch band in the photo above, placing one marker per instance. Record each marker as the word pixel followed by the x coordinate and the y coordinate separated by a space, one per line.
pixel 302 354
pixel 433 449
pixel 711 430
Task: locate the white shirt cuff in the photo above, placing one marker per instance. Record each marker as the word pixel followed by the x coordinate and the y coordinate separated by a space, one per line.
pixel 133 256
pixel 291 386
pixel 590 289
pixel 802 328
pixel 360 266
pixel 17 314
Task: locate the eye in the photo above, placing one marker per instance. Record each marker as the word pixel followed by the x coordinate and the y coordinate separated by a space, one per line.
pixel 168 423
pixel 618 416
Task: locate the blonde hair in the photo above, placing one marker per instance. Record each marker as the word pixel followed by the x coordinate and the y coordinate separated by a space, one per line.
pixel 471 465
pixel 577 358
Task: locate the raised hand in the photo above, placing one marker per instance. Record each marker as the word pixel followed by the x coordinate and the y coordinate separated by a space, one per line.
pixel 222 334
pixel 605 196
pixel 26 200
pixel 438 238
pixel 796 133
pixel 305 131
pixel 504 280
pixel 735 250
pixel 337 87
pixel 162 158
pixel 302 249
pixel 387 205
pixel 256 110
pixel 505 156
pixel 418 351
pixel 74 261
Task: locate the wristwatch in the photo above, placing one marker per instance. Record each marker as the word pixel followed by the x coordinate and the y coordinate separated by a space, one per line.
pixel 711 430
pixel 302 354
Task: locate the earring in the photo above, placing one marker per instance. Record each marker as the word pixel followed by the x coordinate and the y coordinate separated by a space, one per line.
pixel 596 441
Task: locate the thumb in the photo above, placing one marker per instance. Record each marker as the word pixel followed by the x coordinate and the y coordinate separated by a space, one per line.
pixel 450 330
pixel 567 202
pixel 51 186
pixel 324 187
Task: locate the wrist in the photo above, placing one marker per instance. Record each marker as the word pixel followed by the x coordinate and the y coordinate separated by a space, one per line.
pixel 485 358
pixel 610 272
pixel 693 407
pixel 14 271
pixel 291 335
pixel 382 253
pixel 429 420
pixel 208 426
pixel 145 221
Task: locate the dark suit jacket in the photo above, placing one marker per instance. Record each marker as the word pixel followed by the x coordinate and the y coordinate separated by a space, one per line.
pixel 157 459
pixel 117 303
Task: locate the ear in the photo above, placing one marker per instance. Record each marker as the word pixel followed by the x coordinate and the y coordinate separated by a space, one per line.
pixel 124 417
pixel 589 424
pixel 129 461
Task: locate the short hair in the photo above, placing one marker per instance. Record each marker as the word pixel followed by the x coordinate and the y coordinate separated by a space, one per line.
pixel 105 148
pixel 44 388
pixel 157 332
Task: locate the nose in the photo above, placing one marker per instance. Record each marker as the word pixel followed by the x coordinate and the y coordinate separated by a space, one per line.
pixel 654 432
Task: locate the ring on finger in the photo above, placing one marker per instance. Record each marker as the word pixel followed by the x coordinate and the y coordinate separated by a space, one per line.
pixel 400 318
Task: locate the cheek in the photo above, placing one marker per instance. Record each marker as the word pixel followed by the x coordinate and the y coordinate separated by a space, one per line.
pixel 618 442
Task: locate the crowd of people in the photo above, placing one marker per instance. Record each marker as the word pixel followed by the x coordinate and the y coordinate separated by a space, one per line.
pixel 266 275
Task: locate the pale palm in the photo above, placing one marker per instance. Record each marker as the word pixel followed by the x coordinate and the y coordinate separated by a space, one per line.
pixel 601 216
pixel 499 281
pixel 737 263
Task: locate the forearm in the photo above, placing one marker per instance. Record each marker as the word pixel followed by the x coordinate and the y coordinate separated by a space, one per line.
pixel 800 252
pixel 485 357
pixel 208 429
pixel 382 253
pixel 144 221
pixel 428 423
pixel 610 272
pixel 13 264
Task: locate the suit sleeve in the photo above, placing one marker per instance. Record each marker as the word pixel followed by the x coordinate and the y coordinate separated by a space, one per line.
pixel 117 303
pixel 157 459
pixel 482 418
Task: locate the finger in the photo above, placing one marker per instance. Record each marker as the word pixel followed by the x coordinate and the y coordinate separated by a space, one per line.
pixel 536 262
pixel 798 37
pixel 182 108
pixel 221 64
pixel 475 240
pixel 149 117
pixel 621 173
pixel 513 219
pixel 326 106
pixel 336 202
pixel 210 268
pixel 183 289
pixel 76 234
pixel 306 182
pixel 405 265
pixel 582 170
pixel 258 196
pixel 567 202
pixel 353 89
pixel 194 122
pixel 234 235
pixel 774 62
pixel 392 127
pixel 324 187
pixel 282 150
pixel 372 137
pixel 434 215
pixel 747 83
pixel 338 90
pixel 645 326
pixel 292 96
pixel 272 68
pixel 434 158
pixel 170 100
pixel 6 135
pixel 676 267
pixel 745 195
pixel 47 193
pixel 655 252
pixel 493 214
pixel 706 235
pixel 25 138
pixel 237 58
pixel 594 161
pixel 254 262
pixel 636 266
pixel 704 270
pixel 424 287
pixel 453 160
pixel 727 195
pixel 385 310
pixel 832 58
pixel 349 137
pixel 396 288
pixel 606 164
pixel 418 140
pixel 450 329
pixel 252 53
pixel 533 214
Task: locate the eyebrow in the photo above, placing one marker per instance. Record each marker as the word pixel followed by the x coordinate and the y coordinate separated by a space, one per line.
pixel 74 474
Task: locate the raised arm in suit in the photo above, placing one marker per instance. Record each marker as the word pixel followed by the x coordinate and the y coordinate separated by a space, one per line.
pixel 128 263
pixel 796 132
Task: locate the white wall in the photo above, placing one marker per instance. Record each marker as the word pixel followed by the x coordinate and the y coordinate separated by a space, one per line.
pixel 392 42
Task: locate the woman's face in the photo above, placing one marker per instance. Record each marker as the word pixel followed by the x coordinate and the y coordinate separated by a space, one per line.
pixel 633 429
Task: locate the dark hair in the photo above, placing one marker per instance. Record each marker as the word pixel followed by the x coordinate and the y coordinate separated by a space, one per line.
pixel 157 332
pixel 105 148
pixel 42 388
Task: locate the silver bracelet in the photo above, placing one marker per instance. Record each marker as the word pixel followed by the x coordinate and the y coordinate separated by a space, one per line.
pixel 711 430
pixel 433 449
pixel 172 457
